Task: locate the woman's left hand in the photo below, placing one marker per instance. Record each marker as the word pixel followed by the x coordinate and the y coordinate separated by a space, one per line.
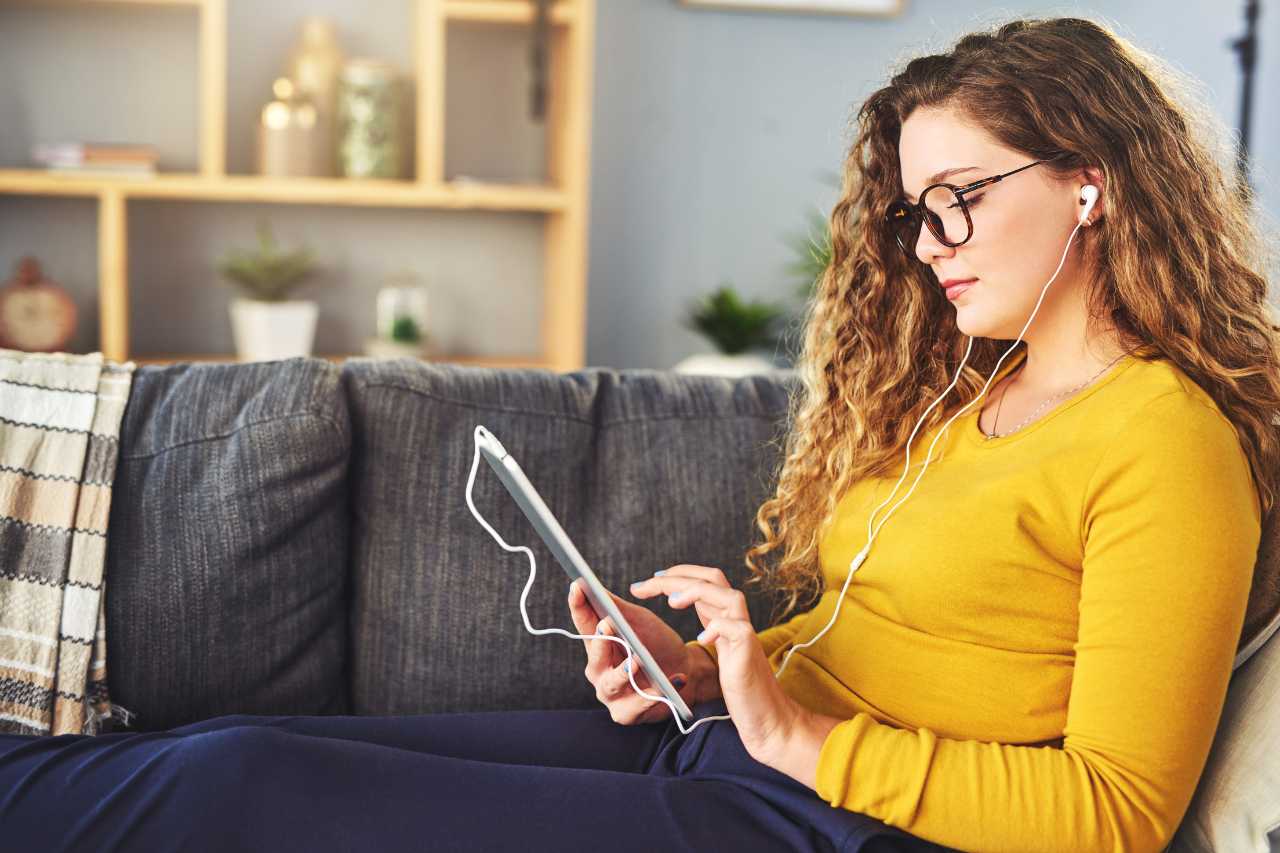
pixel 763 714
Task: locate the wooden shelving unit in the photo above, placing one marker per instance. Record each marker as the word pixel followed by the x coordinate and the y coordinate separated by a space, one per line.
pixel 562 201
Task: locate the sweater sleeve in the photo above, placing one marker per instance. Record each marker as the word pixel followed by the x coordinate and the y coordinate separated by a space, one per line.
pixel 771 638
pixel 1170 526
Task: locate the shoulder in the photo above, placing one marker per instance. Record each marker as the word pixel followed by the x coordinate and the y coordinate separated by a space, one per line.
pixel 1156 400
pixel 1165 434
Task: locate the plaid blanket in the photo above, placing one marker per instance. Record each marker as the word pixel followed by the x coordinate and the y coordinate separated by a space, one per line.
pixel 60 420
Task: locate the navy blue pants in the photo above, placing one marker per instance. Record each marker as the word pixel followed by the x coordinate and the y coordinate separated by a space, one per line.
pixel 531 781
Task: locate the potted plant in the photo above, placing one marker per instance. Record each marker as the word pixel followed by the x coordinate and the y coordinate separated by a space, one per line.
pixel 812 254
pixel 266 324
pixel 401 319
pixel 735 328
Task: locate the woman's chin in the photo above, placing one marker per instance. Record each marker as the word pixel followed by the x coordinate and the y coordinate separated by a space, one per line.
pixel 970 322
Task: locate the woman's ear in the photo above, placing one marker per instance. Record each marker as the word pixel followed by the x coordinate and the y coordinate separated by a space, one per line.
pixel 1093 175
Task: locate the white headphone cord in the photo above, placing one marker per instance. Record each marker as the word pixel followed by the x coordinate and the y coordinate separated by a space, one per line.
pixel 861 556
pixel 854 565
pixel 524 612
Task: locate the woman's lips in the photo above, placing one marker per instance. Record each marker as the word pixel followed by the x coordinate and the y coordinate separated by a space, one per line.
pixel 960 287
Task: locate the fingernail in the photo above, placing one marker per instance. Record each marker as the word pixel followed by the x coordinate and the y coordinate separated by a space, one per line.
pixel 626 666
pixel 659 572
pixel 675 598
pixel 678 681
pixel 702 638
pixel 636 584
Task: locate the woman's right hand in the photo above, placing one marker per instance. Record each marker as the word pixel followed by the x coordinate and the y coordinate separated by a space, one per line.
pixel 606 659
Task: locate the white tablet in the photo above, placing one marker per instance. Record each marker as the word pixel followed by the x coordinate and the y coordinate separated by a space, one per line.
pixel 567 555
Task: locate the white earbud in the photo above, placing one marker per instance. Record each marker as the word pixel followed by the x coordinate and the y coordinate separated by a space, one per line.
pixel 1088 197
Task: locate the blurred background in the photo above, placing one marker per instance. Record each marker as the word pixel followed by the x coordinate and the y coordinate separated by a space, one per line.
pixel 622 183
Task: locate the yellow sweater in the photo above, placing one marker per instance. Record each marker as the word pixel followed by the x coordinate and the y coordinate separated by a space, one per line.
pixel 1035 654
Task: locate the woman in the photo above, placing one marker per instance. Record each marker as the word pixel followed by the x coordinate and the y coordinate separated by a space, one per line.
pixel 1036 651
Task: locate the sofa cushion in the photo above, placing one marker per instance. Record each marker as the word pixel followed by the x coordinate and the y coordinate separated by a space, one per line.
pixel 644 469
pixel 227 544
pixel 1236 806
pixel 1262 616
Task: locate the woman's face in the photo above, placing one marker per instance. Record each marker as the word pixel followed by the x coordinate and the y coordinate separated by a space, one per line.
pixel 1020 225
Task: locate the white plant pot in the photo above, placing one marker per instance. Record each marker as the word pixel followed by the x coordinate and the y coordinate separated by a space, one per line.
pixel 718 364
pixel 268 331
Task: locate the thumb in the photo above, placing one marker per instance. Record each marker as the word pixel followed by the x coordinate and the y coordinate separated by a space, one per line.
pixel 627 607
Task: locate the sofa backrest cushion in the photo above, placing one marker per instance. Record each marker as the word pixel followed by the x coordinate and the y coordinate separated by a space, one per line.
pixel 227 544
pixel 1237 803
pixel 644 469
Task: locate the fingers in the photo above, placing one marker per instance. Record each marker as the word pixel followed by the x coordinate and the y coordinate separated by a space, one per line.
pixel 580 610
pixel 611 653
pixel 584 618
pixel 735 630
pixel 607 668
pixel 637 710
pixel 628 707
pixel 688 585
pixel 704 573
pixel 599 657
pixel 614 683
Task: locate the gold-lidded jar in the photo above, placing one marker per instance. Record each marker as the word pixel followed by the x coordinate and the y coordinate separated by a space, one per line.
pixel 371 120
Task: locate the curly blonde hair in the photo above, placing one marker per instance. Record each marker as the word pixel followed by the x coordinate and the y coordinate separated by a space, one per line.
pixel 1180 267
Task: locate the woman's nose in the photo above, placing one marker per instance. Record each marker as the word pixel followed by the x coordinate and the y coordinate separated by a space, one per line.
pixel 929 247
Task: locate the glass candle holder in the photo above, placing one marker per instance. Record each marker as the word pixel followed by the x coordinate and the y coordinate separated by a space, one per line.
pixel 402 313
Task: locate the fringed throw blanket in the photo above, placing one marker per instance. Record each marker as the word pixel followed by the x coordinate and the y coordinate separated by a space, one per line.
pixel 59 428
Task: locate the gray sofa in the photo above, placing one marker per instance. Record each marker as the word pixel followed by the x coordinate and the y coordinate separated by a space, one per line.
pixel 293 537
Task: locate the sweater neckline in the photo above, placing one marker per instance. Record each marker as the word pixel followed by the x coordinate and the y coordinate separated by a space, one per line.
pixel 974 431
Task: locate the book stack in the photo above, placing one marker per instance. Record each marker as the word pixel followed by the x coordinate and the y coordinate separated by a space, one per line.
pixel 96 157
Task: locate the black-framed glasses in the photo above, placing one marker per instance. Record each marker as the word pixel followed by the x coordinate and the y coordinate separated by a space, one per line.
pixel 944 208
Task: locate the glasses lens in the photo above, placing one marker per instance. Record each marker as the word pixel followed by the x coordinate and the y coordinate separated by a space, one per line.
pixel 904 225
pixel 945 216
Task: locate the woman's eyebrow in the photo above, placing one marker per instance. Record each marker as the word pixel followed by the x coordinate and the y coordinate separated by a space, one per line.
pixel 945 173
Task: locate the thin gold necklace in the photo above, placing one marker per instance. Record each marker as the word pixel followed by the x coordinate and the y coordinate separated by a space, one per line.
pixel 1029 418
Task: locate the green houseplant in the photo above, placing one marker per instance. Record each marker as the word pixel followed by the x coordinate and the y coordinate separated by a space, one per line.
pixel 265 323
pixel 812 250
pixel 267 273
pixel 401 322
pixel 735 328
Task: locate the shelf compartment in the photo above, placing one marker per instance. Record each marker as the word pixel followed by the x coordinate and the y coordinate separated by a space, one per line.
pixel 503 11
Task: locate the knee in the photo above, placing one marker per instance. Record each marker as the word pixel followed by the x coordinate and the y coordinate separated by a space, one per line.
pixel 234 750
pixel 221 781
pixel 229 721
pixel 216 723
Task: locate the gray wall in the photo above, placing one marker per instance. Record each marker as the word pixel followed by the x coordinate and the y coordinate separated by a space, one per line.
pixel 714 133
